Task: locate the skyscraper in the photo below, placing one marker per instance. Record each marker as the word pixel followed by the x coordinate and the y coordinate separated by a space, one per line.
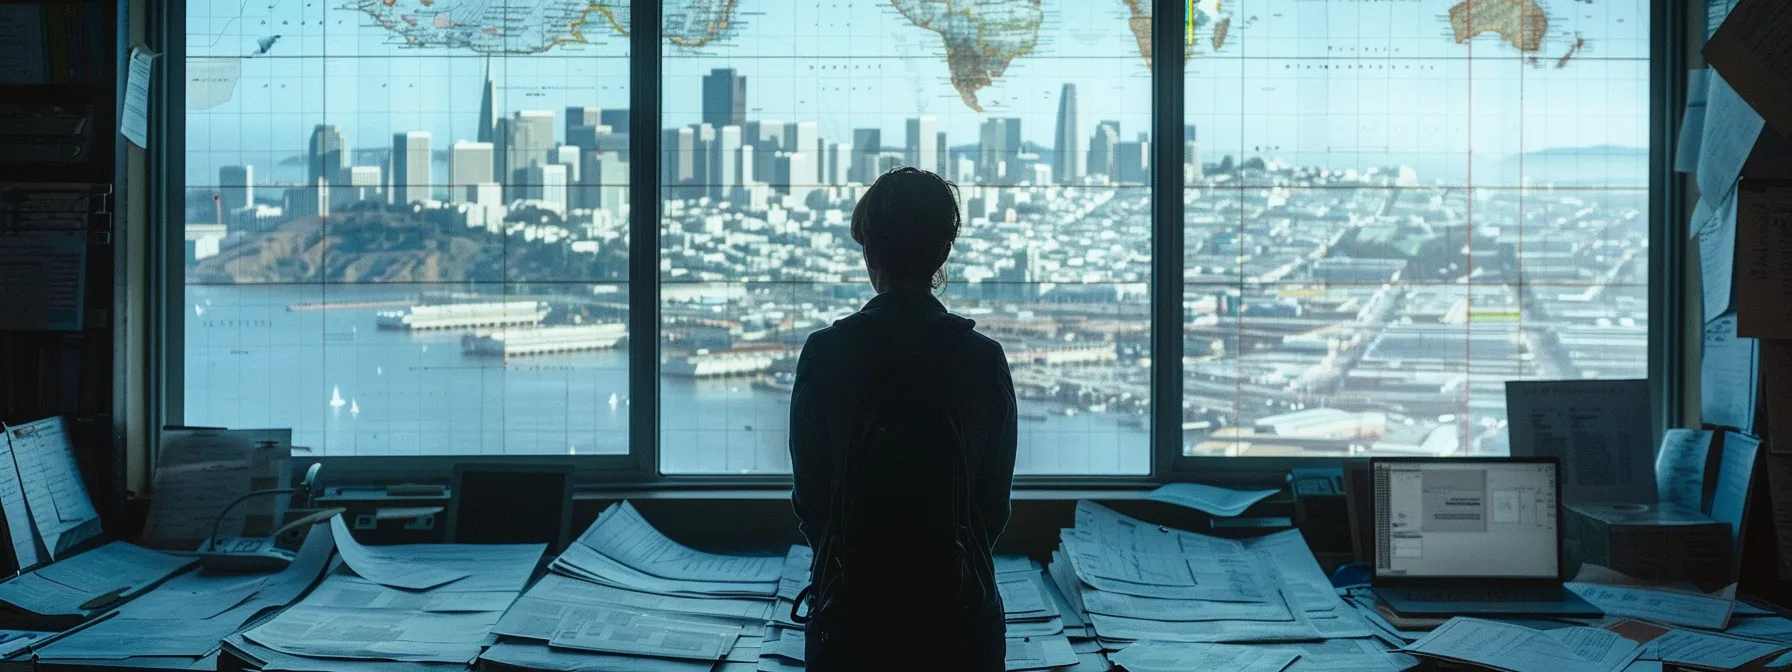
pixel 469 165
pixel 547 183
pixel 328 155
pixel 998 145
pixel 724 98
pixel 724 162
pixel 236 187
pixel 1101 148
pixel 582 126
pixel 1191 155
pixel 528 136
pixel 867 143
pixel 922 150
pixel 1132 161
pixel 488 111
pixel 943 155
pixel 410 167
pixel 1067 145
pixel 805 137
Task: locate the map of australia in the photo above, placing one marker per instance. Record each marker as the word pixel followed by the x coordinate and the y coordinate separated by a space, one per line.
pixel 982 36
pixel 535 26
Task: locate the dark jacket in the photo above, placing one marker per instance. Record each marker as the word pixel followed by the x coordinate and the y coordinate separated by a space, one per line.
pixel 831 379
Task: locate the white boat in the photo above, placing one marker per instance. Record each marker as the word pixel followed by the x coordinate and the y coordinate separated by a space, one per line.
pixel 544 340
pixel 336 397
pixel 354 408
pixel 465 315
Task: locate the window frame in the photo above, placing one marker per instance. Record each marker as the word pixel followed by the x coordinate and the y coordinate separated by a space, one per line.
pixel 640 468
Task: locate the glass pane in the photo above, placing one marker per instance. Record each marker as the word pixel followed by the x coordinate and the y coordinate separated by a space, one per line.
pixel 406 225
pixel 776 121
pixel 1394 208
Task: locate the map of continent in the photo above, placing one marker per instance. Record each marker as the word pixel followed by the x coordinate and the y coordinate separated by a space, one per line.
pixel 535 26
pixel 1519 22
pixel 982 36
pixel 1202 15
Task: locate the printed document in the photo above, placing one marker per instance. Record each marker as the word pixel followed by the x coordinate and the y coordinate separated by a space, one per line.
pixel 1661 606
pixel 384 567
pixel 1172 657
pixel 622 534
pixel 1224 502
pixel 1515 648
pixel 1598 429
pixel 54 492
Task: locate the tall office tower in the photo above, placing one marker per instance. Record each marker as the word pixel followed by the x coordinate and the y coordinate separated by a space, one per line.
pixel 943 155
pixel 998 145
pixel 1101 148
pixel 724 162
pixel 547 183
pixel 767 139
pixel 617 120
pixel 836 164
pixel 469 165
pixel 1191 155
pixel 236 187
pixel 581 126
pixel 410 167
pixel 704 140
pixel 310 200
pixel 923 143
pixel 567 155
pixel 329 155
pixel 805 137
pixel 606 183
pixel 528 135
pixel 488 109
pixel 1132 161
pixel 1067 145
pixel 792 166
pixel 724 98
pixel 867 143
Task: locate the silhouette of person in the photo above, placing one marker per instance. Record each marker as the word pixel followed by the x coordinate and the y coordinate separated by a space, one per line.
pixel 902 440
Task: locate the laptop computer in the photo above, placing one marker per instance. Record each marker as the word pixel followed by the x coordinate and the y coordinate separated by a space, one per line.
pixel 1470 537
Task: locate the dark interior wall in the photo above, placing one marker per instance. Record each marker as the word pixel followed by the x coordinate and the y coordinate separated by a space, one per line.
pixel 71 373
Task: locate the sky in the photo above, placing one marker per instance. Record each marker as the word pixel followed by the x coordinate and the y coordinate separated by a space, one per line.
pixel 1342 83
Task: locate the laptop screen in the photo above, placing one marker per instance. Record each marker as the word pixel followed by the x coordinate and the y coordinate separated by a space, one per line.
pixel 1449 519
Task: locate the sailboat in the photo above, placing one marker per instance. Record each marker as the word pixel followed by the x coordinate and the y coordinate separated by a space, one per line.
pixel 614 400
pixel 336 397
pixel 354 409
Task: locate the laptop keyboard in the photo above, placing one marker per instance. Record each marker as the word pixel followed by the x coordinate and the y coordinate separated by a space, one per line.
pixel 1480 594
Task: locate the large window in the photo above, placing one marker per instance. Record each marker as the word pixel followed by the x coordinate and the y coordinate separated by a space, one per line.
pixel 1394 207
pixel 407 222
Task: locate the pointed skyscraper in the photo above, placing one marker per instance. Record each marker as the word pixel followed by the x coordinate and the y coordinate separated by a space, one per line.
pixel 488 113
pixel 1067 144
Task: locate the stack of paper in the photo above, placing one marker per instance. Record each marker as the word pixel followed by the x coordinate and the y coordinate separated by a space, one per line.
pixel 1138 581
pixel 64 593
pixel 625 596
pixel 426 605
pixel 182 622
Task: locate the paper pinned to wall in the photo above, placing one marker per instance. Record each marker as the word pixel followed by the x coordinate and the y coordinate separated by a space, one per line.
pixel 1680 468
pixel 1714 227
pixel 1728 376
pixel 1731 128
pixel 1692 121
pixel 134 122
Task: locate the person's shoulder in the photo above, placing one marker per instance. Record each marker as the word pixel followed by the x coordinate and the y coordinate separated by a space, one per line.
pixel 976 342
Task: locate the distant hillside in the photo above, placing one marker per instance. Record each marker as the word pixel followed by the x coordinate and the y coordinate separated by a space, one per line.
pixel 1602 165
pixel 378 245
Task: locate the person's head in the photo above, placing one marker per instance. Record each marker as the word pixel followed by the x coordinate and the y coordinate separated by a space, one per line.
pixel 906 222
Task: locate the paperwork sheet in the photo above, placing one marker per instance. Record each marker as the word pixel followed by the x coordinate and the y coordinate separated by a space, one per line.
pixel 1038 653
pixel 1343 655
pixel 629 632
pixel 1755 51
pixel 1714 227
pixel 1515 648
pixel 1660 606
pixel 540 657
pixel 21 533
pixel 1705 649
pixel 1728 376
pixel 1680 468
pixel 118 568
pixel 1224 502
pixel 622 534
pixel 200 472
pixel 1763 260
pixel 1171 657
pixel 1731 129
pixel 1599 429
pixel 60 508
pixel 386 567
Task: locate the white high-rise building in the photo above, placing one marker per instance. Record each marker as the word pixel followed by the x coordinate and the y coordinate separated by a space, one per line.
pixel 410 167
pixel 547 183
pixel 364 183
pixel 469 164
pixel 724 162
pixel 922 150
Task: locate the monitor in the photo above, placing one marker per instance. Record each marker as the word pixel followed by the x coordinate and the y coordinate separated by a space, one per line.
pixel 511 504
pixel 1456 518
